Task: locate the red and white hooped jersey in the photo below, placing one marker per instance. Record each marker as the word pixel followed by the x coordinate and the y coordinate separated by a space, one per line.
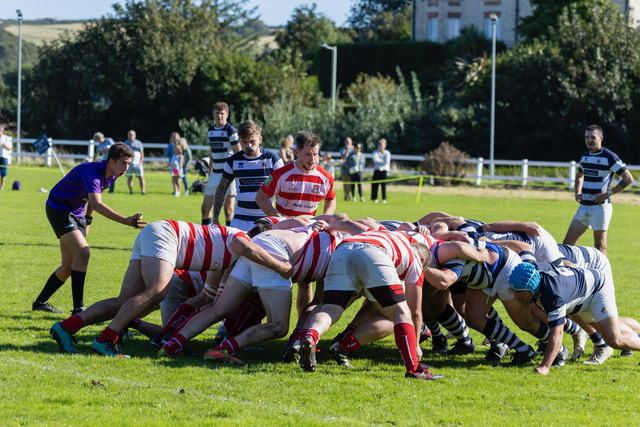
pixel 204 247
pixel 398 245
pixel 195 280
pixel 298 193
pixel 316 254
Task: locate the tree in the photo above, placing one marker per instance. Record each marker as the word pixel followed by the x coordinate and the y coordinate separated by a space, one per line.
pixel 379 20
pixel 307 29
pixel 544 17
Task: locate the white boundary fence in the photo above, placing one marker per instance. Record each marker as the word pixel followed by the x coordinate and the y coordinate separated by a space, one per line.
pixel 479 175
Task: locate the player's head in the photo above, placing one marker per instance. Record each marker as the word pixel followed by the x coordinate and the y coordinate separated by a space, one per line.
pixel 525 277
pixel 259 227
pixel 593 137
pixel 98 137
pixel 250 137
pixel 307 150
pixel 119 158
pixel 220 113
pixel 423 253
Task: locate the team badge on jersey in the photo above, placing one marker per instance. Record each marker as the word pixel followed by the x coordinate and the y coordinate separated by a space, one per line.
pixel 316 189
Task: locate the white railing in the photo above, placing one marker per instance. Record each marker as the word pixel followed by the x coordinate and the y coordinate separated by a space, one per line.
pixel 478 175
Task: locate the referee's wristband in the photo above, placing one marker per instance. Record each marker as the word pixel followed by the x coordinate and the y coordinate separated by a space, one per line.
pixel 610 193
pixel 88 219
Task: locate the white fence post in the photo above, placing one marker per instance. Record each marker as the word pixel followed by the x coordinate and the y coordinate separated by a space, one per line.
pixel 572 175
pixel 525 172
pixel 479 171
pixel 91 149
pixel 50 151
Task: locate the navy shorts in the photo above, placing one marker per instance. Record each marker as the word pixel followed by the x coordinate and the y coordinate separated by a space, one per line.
pixel 64 222
pixel 4 165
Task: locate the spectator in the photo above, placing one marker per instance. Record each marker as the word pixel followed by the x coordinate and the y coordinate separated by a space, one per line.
pixel 186 159
pixel 137 167
pixel 346 178
pixel 381 166
pixel 355 162
pixel 175 165
pixel 5 155
pixel 286 151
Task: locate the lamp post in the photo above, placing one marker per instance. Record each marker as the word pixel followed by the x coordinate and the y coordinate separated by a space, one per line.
pixel 334 72
pixel 18 145
pixel 494 22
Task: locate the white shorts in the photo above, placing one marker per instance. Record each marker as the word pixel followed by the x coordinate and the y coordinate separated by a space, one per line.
pixel 597 217
pixel 214 181
pixel 157 240
pixel 137 170
pixel 242 225
pixel 359 265
pixel 603 304
pixel 179 292
pixel 545 248
pixel 256 276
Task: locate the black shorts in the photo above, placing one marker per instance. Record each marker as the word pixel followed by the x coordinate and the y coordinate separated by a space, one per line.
pixel 64 222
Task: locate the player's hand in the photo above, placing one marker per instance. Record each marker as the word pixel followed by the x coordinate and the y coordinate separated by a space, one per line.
pixel 542 370
pixel 423 229
pixel 286 270
pixel 320 225
pixel 135 222
pixel 601 197
pixel 578 197
pixel 533 229
pixel 419 353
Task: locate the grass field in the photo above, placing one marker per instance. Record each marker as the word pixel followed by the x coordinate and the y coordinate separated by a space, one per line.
pixel 38 385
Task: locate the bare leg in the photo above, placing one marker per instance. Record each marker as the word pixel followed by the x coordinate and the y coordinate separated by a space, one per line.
pixel 207 206
pixel 575 231
pixel 277 304
pixel 618 335
pixel 600 240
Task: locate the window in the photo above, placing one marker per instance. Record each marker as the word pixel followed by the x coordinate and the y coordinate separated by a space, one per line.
pixel 453 28
pixel 432 29
pixel 488 28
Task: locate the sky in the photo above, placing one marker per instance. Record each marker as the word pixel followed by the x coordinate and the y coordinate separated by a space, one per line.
pixel 272 12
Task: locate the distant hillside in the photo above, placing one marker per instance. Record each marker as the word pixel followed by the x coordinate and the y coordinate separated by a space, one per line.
pixel 45 30
pixel 9 52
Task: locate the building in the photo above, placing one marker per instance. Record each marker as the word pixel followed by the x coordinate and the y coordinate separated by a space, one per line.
pixel 442 20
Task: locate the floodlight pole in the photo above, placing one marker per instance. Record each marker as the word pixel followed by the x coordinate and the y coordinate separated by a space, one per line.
pixel 18 144
pixel 494 22
pixel 334 72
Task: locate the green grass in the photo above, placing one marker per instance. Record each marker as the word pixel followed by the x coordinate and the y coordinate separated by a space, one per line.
pixel 39 385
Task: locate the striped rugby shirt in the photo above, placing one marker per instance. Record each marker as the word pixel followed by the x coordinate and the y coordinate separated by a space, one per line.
pixel 315 256
pixel 204 247
pixel 220 141
pixel 598 169
pixel 298 193
pixel 250 174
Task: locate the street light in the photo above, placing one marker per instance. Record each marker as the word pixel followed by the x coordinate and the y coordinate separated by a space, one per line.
pixel 494 22
pixel 18 145
pixel 334 72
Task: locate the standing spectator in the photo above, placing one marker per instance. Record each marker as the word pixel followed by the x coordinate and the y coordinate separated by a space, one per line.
pixel 6 146
pixel 137 167
pixel 300 186
pixel 83 185
pixel 286 152
pixel 355 162
pixel 186 159
pixel 346 178
pixel 597 166
pixel 223 142
pixel 175 165
pixel 381 166
pixel 103 149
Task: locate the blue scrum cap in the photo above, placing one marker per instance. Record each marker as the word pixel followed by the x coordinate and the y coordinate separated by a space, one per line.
pixel 525 277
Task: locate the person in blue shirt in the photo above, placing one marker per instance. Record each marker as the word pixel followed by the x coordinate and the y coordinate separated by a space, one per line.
pixel 70 220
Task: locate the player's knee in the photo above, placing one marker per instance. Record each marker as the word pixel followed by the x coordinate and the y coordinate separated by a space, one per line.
pixel 476 322
pixel 83 254
pixel 279 329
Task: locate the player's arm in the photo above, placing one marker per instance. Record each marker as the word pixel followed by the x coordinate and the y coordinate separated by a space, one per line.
pixel 553 347
pixel 347 226
pixel 440 278
pixel 266 204
pixel 626 179
pixel 515 245
pixel 244 247
pixel 329 206
pixel 578 186
pixel 531 228
pixel 95 200
pixel 450 250
pixel 459 236
pixel 218 200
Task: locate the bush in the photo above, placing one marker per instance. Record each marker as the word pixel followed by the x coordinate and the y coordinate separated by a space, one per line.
pixel 445 161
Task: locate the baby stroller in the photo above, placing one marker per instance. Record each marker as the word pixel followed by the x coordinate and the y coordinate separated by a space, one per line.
pixel 202 167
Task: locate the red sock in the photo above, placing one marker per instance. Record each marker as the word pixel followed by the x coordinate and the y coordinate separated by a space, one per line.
pixel 313 334
pixel 108 335
pixel 349 329
pixel 250 314
pixel 175 344
pixel 73 324
pixel 301 334
pixel 406 342
pixel 294 334
pixel 349 343
pixel 177 318
pixel 135 324
pixel 179 328
pixel 231 345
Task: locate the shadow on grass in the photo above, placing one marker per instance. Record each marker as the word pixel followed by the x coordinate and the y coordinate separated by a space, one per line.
pixel 44 245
